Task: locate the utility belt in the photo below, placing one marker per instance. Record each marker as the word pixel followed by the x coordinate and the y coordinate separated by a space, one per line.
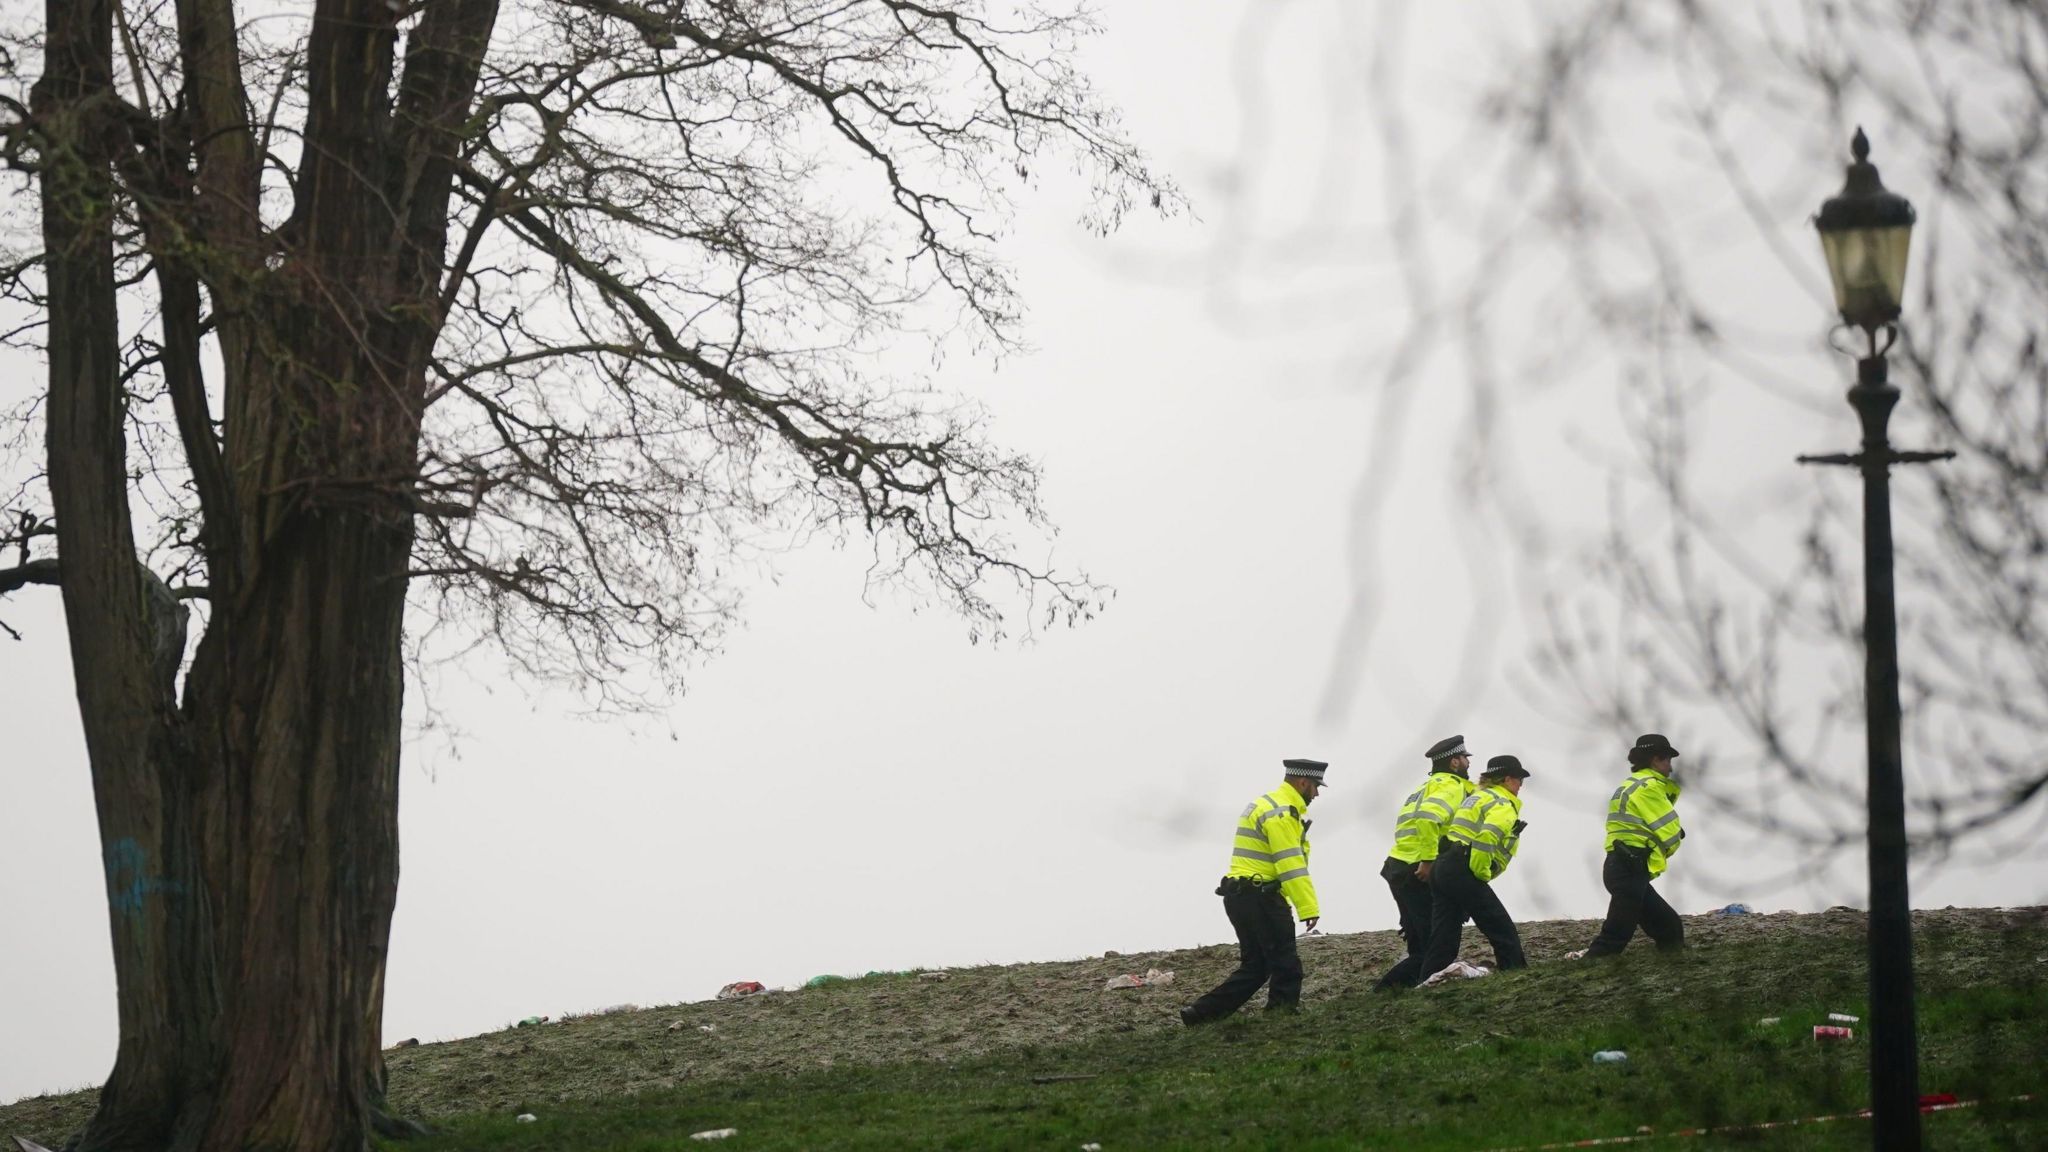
pixel 1455 849
pixel 1241 885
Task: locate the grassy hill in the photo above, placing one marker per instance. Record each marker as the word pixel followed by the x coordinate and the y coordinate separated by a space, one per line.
pixel 1039 1056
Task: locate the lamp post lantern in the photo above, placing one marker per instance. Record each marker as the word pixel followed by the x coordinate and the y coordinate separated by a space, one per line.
pixel 1866 232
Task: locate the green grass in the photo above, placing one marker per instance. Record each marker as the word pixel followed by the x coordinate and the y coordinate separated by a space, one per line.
pixel 1478 1067
pixel 1500 1062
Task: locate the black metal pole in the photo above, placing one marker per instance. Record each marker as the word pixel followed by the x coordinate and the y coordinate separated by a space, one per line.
pixel 1894 1059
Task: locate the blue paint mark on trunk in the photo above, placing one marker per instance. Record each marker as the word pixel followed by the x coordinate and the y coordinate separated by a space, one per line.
pixel 129 884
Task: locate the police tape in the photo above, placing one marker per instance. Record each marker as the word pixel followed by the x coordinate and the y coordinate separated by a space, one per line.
pixel 1938 1104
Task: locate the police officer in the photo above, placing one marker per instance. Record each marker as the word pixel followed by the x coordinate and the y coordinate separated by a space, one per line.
pixel 1268 872
pixel 1417 830
pixel 1642 834
pixel 1476 848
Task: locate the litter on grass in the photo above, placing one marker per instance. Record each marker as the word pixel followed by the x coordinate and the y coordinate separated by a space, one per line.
pixel 1844 1018
pixel 715 1134
pixel 1153 977
pixel 740 989
pixel 531 1022
pixel 1456 970
pixel 1577 954
pixel 1767 1021
pixel 1611 1056
pixel 1734 910
pixel 935 975
pixel 526 1118
pixel 1939 1103
pixel 1823 1032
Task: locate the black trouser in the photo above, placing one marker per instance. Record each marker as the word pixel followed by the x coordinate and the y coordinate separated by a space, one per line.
pixel 1455 893
pixel 1411 896
pixel 1631 902
pixel 1265 951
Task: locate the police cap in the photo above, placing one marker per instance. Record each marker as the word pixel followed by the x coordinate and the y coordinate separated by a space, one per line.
pixel 1313 769
pixel 1447 747
pixel 1505 766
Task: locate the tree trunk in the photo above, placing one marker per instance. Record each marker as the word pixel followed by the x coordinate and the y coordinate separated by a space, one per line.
pixel 251 835
pixel 306 854
pixel 126 633
pixel 250 838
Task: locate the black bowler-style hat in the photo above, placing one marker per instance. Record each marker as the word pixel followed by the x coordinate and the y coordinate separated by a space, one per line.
pixel 1446 748
pixel 1505 766
pixel 1648 747
pixel 1313 769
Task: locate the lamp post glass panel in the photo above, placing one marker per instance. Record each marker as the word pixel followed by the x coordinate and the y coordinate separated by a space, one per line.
pixel 1866 232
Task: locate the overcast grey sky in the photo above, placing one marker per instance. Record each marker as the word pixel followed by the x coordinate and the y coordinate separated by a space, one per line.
pixel 851 786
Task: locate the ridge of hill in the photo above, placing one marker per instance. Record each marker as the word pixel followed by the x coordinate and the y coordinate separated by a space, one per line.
pixel 988 1044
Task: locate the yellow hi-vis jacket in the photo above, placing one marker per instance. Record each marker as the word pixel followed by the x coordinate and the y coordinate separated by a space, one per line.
pixel 1486 824
pixel 1641 814
pixel 1272 844
pixel 1425 815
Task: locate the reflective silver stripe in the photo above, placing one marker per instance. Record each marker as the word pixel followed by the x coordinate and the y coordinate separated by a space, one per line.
pixel 1407 833
pixel 1620 801
pixel 1250 833
pixel 1488 850
pixel 1441 803
pixel 1252 854
pixel 1269 813
pixel 1291 874
pixel 1286 854
pixel 1469 825
pixel 1627 818
pixel 1666 818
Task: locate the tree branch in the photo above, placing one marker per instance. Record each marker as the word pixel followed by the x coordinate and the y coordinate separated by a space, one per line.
pixel 43 571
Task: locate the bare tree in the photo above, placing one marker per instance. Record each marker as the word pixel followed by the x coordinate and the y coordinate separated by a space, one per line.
pixel 538 318
pixel 1690 613
pixel 1562 213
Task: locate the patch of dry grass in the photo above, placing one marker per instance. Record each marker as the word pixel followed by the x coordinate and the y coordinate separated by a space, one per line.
pixel 979 1012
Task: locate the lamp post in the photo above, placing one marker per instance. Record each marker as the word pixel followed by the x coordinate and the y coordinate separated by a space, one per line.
pixel 1865 232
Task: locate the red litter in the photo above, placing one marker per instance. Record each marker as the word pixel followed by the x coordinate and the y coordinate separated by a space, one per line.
pixel 1828 1032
